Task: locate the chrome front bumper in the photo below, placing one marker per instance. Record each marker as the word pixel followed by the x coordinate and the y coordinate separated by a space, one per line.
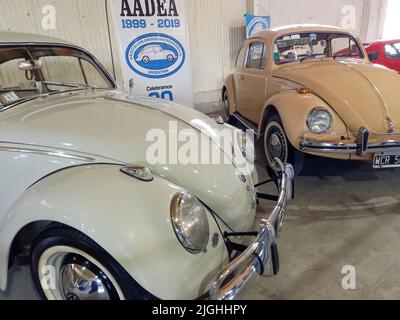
pixel 260 257
pixel 365 143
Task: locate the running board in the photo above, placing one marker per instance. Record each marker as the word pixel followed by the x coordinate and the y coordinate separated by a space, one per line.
pixel 242 123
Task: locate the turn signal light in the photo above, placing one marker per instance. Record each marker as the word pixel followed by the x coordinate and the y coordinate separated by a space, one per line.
pixel 304 91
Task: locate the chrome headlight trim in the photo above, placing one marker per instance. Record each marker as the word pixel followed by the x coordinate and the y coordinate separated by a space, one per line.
pixel 190 223
pixel 324 115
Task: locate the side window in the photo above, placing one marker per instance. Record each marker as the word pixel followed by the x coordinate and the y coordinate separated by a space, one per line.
pixel 392 51
pixel 242 55
pixel 345 47
pixel 256 57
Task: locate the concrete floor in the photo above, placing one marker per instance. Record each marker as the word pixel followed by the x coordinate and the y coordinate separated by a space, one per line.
pixel 344 214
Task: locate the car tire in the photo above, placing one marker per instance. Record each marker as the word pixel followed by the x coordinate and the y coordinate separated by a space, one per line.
pixel 62 257
pixel 146 59
pixel 170 57
pixel 225 102
pixel 277 145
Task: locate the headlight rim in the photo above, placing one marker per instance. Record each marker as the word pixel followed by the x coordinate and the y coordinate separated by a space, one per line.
pixel 314 110
pixel 174 215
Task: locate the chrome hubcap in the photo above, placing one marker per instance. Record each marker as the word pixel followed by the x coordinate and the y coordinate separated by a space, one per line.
pixel 275 146
pixel 68 273
pixel 78 282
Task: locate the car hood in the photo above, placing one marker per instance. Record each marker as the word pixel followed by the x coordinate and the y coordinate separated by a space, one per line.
pixel 114 128
pixel 362 94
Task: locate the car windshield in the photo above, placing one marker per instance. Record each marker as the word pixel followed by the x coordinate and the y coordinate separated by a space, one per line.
pixel 26 72
pixel 301 46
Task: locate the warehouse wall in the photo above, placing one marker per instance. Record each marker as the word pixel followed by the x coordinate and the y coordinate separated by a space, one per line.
pixel 368 22
pixel 216 34
pixel 80 21
pixel 216 28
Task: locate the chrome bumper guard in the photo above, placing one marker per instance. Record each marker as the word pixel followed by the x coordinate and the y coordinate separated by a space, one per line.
pixel 258 259
pixel 361 147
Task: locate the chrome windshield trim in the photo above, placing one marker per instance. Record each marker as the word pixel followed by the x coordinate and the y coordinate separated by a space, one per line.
pixel 101 69
pixel 59 154
pixel 65 45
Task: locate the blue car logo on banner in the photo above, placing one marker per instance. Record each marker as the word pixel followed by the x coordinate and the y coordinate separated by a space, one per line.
pixel 255 24
pixel 155 55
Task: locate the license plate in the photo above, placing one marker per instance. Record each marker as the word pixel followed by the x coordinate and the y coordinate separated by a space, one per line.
pixel 387 160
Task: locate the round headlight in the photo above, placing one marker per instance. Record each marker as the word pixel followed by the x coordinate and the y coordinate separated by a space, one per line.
pixel 319 120
pixel 190 222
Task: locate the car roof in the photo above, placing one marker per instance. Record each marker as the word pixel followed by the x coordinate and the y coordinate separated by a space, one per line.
pixel 383 42
pixel 297 28
pixel 7 37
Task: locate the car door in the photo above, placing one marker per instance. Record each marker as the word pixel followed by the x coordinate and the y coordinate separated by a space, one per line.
pixel 250 81
pixel 238 73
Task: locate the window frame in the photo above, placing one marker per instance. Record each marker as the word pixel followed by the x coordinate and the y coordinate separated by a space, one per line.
pixel 263 55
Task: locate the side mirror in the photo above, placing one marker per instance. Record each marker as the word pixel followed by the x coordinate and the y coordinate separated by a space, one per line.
pixel 29 65
pixel 373 56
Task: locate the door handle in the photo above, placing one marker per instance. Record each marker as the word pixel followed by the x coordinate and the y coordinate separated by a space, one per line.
pixel 241 77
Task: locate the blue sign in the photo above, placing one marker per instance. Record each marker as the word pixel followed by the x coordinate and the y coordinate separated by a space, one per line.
pixel 155 55
pixel 255 24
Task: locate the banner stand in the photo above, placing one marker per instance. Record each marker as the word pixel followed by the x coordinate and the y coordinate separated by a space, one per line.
pixel 154 48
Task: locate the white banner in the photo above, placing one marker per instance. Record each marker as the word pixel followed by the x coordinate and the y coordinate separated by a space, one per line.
pixel 154 47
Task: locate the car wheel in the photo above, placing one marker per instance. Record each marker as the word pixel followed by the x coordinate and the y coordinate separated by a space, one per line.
pixel 67 265
pixel 170 57
pixel 146 59
pixel 276 145
pixel 291 56
pixel 225 101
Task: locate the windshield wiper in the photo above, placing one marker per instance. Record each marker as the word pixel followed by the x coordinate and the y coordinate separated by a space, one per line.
pixel 70 85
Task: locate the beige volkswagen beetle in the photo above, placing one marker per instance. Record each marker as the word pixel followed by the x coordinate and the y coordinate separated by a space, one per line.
pixel 333 102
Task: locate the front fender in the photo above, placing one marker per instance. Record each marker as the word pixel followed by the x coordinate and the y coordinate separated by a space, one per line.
pixel 129 218
pixel 293 109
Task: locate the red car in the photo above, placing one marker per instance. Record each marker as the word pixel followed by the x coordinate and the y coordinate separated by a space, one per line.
pixel 386 53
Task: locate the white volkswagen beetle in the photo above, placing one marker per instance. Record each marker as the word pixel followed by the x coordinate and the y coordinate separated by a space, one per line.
pixel 155 52
pixel 96 220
